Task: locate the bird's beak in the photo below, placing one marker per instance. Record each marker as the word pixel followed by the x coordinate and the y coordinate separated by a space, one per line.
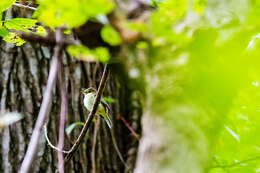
pixel 82 90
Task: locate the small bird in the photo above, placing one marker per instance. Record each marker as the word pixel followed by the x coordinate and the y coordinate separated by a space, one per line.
pixel 103 108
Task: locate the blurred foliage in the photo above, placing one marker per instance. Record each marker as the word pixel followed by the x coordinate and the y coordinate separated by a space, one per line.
pixel 84 53
pixel 5 4
pixel 55 13
pixel 110 35
pixel 204 71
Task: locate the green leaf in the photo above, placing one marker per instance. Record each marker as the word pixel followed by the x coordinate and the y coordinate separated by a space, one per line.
pixel 72 126
pixel 84 53
pixel 10 37
pixel 199 5
pixel 109 100
pixel 65 13
pixel 9 118
pixel 5 4
pixel 14 39
pixel 102 54
pixel 110 35
pixel 24 24
pixel 3 32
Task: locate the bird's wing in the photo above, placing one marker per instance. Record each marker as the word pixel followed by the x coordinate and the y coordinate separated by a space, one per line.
pixel 108 111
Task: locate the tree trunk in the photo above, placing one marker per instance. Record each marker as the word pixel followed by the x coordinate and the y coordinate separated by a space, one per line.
pixel 23 76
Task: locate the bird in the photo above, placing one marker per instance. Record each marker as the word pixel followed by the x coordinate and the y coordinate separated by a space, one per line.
pixel 103 109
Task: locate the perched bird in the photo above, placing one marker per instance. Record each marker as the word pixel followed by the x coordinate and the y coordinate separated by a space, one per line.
pixel 103 108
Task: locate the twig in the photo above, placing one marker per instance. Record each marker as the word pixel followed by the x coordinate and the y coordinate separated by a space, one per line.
pixel 24 6
pixel 48 40
pixel 44 112
pixel 93 153
pixel 118 152
pixel 49 142
pixel 91 114
pixel 64 103
pixel 130 128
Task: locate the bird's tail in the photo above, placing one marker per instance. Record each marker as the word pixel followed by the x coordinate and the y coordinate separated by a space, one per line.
pixel 108 121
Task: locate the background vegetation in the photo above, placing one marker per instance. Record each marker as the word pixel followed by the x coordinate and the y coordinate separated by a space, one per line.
pixel 189 68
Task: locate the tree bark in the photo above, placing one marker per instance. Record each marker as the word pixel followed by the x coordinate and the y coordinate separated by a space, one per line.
pixel 23 76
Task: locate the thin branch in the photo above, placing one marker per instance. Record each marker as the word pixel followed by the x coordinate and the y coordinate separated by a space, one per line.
pixel 118 152
pixel 91 114
pixel 130 128
pixel 25 6
pixel 44 112
pixel 64 103
pixel 48 40
pixel 93 150
pixel 49 142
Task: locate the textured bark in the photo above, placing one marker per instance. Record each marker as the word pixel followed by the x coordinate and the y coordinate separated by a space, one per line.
pixel 23 76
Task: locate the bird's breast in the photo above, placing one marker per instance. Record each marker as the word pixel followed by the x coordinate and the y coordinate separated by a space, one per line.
pixel 88 101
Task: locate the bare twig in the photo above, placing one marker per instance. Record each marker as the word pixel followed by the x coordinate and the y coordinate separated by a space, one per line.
pixel 64 102
pixel 44 112
pixel 91 114
pixel 24 6
pixel 48 40
pixel 93 150
pixel 130 128
pixel 49 142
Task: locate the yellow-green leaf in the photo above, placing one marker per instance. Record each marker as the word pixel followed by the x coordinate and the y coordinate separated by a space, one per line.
pixel 5 4
pixel 110 35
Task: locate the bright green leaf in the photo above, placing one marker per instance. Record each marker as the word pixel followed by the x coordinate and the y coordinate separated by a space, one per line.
pixel 199 5
pixel 5 4
pixel 3 32
pixel 14 39
pixel 55 13
pixel 72 126
pixel 81 52
pixel 109 100
pixel 25 24
pixel 84 53
pixel 110 35
pixel 102 54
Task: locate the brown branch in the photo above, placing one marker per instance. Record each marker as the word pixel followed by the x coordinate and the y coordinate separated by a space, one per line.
pixel 24 6
pixel 93 150
pixel 48 40
pixel 63 111
pixel 130 128
pixel 44 112
pixel 91 114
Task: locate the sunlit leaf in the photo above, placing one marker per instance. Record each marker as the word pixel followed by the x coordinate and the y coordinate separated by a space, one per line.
pixel 109 100
pixel 102 54
pixel 14 39
pixel 72 126
pixel 26 25
pixel 21 24
pixel 59 12
pixel 110 35
pixel 199 5
pixel 5 4
pixel 3 32
pixel 84 53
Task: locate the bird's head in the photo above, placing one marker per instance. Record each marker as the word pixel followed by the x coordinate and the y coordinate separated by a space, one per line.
pixel 88 90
